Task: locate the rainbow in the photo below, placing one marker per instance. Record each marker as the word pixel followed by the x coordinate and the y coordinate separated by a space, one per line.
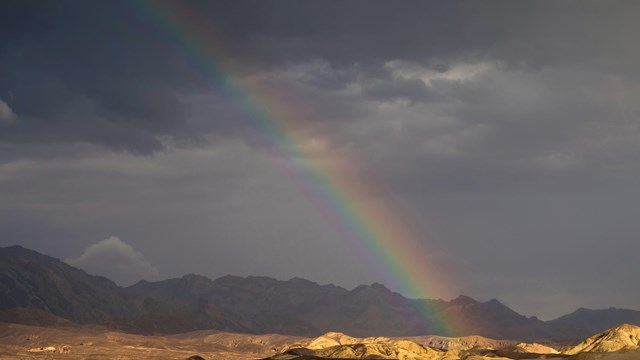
pixel 333 184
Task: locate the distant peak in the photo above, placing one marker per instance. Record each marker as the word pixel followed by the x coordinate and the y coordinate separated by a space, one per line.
pixel 230 277
pixel 377 285
pixel 375 288
pixel 463 300
pixel 494 302
pixel 195 277
pixel 299 280
pixel 260 277
pixel 19 249
pixel 259 281
pixel 27 254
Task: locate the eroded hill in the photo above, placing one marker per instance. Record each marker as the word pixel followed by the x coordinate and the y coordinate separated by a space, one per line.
pixel 66 340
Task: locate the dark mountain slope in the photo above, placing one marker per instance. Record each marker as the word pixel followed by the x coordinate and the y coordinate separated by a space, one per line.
pixel 258 304
pixel 30 279
pixel 467 316
pixel 584 322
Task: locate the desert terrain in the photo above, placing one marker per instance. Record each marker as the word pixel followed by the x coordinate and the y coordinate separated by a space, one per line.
pixel 55 338
pixel 19 341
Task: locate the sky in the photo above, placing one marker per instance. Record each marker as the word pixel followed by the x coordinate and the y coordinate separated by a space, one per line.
pixel 505 134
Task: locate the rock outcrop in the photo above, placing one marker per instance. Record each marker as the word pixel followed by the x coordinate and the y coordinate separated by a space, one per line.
pixel 535 348
pixel 621 337
pixel 340 346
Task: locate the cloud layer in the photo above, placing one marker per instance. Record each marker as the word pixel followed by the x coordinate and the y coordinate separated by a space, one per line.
pixel 506 132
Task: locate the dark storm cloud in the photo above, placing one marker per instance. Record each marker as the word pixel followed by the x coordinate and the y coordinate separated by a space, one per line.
pixel 88 72
pixel 112 56
pixel 536 33
pixel 510 126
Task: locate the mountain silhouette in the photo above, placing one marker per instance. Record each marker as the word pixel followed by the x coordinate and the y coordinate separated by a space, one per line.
pixel 259 305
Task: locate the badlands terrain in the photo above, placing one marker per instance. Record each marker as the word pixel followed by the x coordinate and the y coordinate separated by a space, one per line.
pixel 44 336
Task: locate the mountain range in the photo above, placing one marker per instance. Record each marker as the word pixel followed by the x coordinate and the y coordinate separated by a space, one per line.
pixel 261 305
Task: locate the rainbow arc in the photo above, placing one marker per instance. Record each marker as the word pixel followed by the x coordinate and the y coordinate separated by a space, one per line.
pixel 333 184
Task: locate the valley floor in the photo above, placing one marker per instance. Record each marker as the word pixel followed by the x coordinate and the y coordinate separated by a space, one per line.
pixel 93 342
pixel 73 341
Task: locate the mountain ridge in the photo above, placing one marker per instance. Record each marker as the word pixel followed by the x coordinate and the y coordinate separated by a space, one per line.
pixel 259 304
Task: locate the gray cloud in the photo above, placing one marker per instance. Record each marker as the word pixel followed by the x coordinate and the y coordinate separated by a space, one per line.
pixel 94 85
pixel 132 73
pixel 413 90
pixel 116 260
pixel 507 132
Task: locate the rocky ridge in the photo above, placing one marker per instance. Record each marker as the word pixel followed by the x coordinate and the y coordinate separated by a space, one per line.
pixel 334 345
pixel 622 337
pixel 261 305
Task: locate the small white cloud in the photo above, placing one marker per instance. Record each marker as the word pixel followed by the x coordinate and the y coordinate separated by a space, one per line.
pixel 6 114
pixel 116 260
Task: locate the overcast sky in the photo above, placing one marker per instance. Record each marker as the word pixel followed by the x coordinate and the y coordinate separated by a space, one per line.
pixel 509 132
